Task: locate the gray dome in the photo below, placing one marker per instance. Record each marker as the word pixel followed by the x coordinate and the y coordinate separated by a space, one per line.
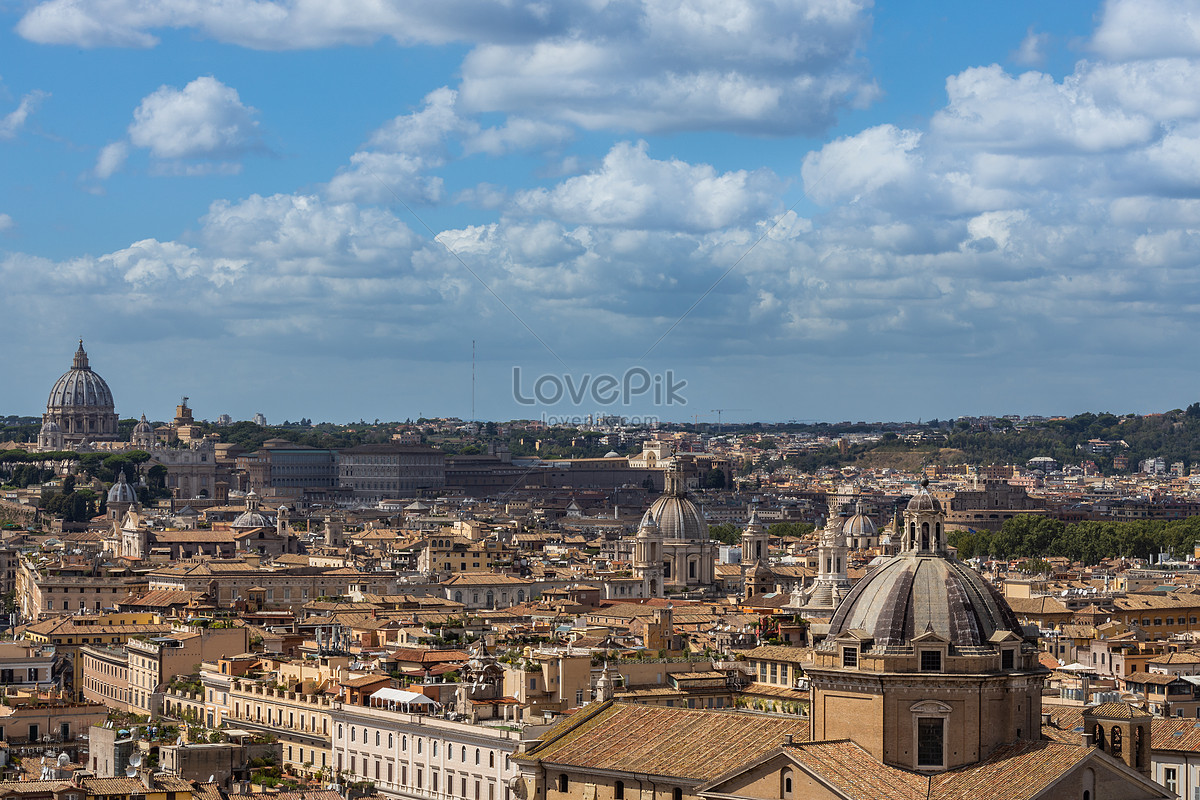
pixel 50 426
pixel 252 517
pixel 923 502
pixel 859 525
pixel 677 515
pixel 79 387
pixel 143 426
pixel 912 593
pixel 122 492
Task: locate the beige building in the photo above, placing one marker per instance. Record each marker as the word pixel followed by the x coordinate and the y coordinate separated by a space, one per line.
pixel 298 718
pixel 153 661
pixel 74 588
pixel 408 753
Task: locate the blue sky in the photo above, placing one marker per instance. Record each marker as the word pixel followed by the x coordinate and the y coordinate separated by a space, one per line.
pixel 918 210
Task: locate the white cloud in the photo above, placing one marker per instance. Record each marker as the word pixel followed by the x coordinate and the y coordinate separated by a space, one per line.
pixel 1032 51
pixel 111 160
pixel 204 122
pixel 1134 29
pixel 12 122
pixel 517 133
pixel 767 66
pixel 633 190
pixel 6 223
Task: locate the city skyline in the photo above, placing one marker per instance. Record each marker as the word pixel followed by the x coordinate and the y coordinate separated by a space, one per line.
pixel 801 210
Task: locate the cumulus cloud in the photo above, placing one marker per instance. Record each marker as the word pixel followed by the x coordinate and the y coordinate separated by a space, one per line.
pixel 631 189
pixel 6 222
pixel 204 121
pixel 1135 29
pixel 12 122
pixel 769 66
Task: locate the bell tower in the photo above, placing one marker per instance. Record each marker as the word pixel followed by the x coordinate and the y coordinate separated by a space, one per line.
pixel 648 556
pixel 1122 731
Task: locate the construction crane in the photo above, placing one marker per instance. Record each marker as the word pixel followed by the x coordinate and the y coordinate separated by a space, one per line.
pixel 719 411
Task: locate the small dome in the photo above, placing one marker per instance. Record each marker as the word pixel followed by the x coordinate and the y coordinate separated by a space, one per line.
pixel 923 502
pixel 252 519
pixel 677 515
pixel 50 426
pixel 143 426
pixel 612 454
pixel 122 492
pixel 859 525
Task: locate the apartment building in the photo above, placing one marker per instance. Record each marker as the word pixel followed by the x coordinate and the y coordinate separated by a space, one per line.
pixel 153 661
pixel 405 751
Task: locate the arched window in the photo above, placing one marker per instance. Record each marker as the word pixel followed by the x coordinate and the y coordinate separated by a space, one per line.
pixel 377 737
pixel 924 535
pixel 677 794
pixel 340 731
pixel 464 755
pixel 491 758
pixel 491 599
pixel 1098 734
pixel 351 729
pixel 477 756
pixel 1138 747
pixel 619 791
pixel 403 742
pixel 458 597
pixel 1114 742
pixel 435 748
pixel 785 784
pixel 391 742
pixel 562 783
pixel 418 746
pixel 520 595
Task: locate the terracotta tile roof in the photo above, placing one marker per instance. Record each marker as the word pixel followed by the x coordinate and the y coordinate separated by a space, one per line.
pixel 1176 658
pixel 852 771
pixel 775 652
pixel 1174 733
pixel 1119 710
pixel 1020 769
pixel 691 746
pixel 1063 723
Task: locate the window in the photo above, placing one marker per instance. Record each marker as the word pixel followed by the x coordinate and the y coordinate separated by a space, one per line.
pixel 476 755
pixel 491 758
pixel 930 742
pixel 1006 658
pixel 850 657
pixel 1170 779
pixel 562 783
pixel 677 793
pixel 377 738
pixel 351 727
pixel 1114 742
pixel 785 784
pixel 931 660
pixel 619 791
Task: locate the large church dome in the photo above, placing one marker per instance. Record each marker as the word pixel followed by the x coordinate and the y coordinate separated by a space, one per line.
pixel 81 404
pixel 677 515
pixel 913 593
pixel 80 387
pixel 925 588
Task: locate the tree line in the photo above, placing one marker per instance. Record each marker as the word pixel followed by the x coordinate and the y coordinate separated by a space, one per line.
pixel 1089 542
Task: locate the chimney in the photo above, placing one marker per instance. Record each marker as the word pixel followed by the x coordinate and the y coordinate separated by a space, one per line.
pixel 1087 739
pixel 1045 718
pixel 788 739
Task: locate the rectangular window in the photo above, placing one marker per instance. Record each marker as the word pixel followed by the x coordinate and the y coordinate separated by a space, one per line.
pixel 931 660
pixel 1006 659
pixel 930 741
pixel 1170 779
pixel 850 657
pixel 774 673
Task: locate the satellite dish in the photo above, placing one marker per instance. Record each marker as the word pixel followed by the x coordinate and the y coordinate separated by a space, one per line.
pixel 63 759
pixel 131 771
pixel 211 778
pixel 135 760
